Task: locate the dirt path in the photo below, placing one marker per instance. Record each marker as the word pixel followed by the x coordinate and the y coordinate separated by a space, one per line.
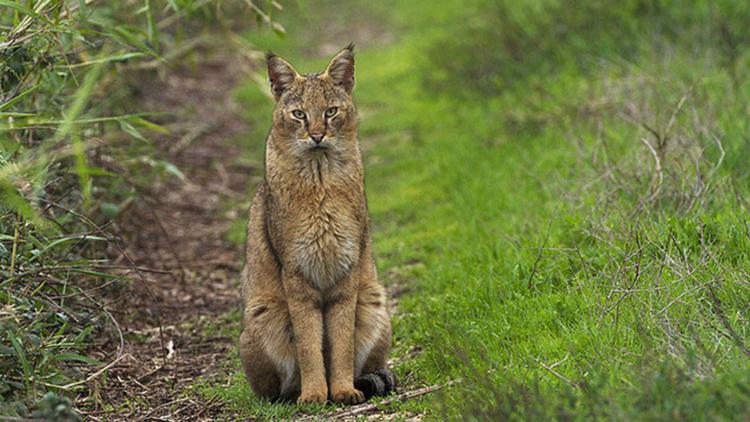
pixel 174 233
pixel 172 314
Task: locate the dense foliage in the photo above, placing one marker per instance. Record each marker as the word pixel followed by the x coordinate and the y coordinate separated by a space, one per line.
pixel 73 154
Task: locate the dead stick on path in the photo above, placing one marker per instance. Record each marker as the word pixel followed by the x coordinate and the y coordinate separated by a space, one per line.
pixel 90 377
pixel 557 374
pixel 371 407
pixel 161 406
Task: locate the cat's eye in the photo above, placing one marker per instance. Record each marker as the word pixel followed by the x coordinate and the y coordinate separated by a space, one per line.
pixel 298 114
pixel 331 111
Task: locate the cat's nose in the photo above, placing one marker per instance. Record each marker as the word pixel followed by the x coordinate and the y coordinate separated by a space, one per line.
pixel 318 138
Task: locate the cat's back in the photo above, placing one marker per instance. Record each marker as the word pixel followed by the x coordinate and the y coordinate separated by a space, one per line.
pixel 262 266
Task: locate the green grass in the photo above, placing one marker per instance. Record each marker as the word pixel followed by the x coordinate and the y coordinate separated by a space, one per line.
pixel 550 262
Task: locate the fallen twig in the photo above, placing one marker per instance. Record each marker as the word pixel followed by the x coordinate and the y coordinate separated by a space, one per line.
pixel 151 372
pixel 658 176
pixel 212 402
pixel 371 407
pixel 89 378
pixel 161 406
pixel 557 374
pixel 717 309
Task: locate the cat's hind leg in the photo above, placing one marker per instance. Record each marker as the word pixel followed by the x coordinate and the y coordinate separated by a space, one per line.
pixel 372 343
pixel 267 349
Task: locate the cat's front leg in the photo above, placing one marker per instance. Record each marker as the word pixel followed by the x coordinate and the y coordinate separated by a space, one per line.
pixel 307 324
pixel 339 317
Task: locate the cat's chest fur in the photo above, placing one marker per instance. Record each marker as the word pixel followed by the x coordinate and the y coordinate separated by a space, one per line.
pixel 318 215
pixel 320 223
pixel 325 240
pixel 323 236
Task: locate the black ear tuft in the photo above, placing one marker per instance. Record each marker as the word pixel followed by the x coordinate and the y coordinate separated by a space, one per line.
pixel 341 68
pixel 280 73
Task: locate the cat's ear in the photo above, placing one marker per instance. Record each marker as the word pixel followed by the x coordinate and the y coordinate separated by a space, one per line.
pixel 280 73
pixel 341 69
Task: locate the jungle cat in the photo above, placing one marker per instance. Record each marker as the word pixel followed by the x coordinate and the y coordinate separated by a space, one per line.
pixel 315 322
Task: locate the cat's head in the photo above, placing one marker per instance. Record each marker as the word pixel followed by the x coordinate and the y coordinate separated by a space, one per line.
pixel 314 111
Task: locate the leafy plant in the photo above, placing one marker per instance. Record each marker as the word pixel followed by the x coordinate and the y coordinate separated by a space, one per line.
pixel 69 143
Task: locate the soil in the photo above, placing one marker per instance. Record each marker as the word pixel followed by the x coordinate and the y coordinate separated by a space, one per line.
pixel 187 280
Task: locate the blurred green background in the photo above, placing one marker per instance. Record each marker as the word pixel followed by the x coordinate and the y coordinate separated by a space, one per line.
pixel 559 190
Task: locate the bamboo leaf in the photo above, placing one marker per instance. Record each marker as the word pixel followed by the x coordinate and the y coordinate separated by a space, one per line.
pixel 48 247
pixel 138 121
pixel 132 131
pixel 79 358
pixel 17 345
pixel 116 58
pixel 17 6
pixel 153 30
pixel 17 98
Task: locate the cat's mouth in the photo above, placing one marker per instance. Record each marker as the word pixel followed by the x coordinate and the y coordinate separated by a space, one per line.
pixel 317 146
pixel 310 145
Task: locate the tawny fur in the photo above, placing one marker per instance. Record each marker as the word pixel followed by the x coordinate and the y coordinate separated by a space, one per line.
pixel 315 315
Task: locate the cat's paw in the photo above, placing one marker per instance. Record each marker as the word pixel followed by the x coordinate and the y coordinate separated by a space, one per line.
pixel 348 396
pixel 312 397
